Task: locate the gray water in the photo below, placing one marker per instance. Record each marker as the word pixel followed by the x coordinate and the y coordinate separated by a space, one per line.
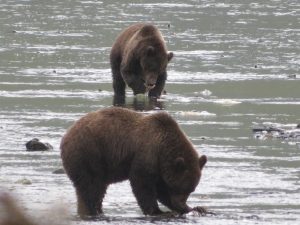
pixel 236 66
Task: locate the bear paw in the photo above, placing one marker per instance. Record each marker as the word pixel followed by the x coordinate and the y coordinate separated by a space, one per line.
pixel 202 211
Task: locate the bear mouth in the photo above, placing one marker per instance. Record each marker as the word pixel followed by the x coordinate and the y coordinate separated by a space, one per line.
pixel 149 86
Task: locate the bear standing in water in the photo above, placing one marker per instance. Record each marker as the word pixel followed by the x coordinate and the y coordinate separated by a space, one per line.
pixel 116 144
pixel 139 59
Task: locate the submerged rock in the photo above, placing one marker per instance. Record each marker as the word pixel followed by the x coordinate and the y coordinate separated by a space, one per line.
pixel 36 145
pixel 24 181
pixel 266 132
pixel 268 129
pixel 59 171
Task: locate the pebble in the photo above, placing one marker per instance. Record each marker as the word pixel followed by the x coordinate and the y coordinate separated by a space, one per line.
pixel 24 181
pixel 59 171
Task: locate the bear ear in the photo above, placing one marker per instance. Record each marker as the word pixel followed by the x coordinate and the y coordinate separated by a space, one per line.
pixel 150 50
pixel 170 56
pixel 202 161
pixel 179 164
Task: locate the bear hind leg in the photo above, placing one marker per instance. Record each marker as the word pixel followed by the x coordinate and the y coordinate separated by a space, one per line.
pixel 89 198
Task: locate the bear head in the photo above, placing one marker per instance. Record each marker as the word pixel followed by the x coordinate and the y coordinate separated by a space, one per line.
pixel 181 176
pixel 153 55
pixel 184 174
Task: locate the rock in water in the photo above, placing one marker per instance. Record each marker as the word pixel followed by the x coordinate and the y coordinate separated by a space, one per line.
pixel 36 145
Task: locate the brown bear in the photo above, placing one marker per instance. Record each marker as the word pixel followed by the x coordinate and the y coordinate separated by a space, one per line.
pixel 116 144
pixel 139 59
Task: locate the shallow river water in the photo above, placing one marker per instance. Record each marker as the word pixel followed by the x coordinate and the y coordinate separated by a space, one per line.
pixel 236 66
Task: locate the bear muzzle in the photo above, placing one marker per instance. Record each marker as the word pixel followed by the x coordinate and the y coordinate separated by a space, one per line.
pixel 149 86
pixel 150 82
pixel 178 202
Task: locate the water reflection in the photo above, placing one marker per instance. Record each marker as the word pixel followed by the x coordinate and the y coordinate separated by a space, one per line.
pixel 139 103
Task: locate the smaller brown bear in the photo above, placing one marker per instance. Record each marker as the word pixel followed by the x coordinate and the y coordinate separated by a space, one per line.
pixel 139 59
pixel 116 144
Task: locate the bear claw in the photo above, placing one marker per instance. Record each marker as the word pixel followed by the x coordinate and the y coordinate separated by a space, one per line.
pixel 202 211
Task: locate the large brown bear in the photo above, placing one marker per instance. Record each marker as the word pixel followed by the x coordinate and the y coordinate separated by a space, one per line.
pixel 115 144
pixel 139 59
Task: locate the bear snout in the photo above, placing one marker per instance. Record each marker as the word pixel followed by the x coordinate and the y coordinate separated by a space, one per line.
pixel 178 202
pixel 150 81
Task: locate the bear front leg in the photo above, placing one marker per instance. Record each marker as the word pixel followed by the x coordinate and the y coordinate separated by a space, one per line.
pixel 163 195
pixel 118 85
pixel 118 82
pixel 119 89
pixel 145 193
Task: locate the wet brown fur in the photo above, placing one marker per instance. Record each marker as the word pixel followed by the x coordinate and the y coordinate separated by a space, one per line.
pixel 12 214
pixel 116 144
pixel 139 58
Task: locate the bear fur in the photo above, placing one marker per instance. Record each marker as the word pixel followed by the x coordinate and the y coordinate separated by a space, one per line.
pixel 139 59
pixel 116 144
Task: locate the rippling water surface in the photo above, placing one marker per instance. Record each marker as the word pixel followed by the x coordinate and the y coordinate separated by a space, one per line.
pixel 236 66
